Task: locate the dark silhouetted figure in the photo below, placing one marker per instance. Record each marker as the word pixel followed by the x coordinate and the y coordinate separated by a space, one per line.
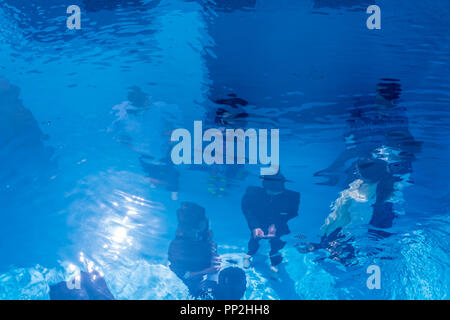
pixel 267 210
pixel 231 112
pixel 378 131
pixel 379 154
pixel 193 254
pixel 27 169
pixel 162 174
pixel 20 137
pixel 193 258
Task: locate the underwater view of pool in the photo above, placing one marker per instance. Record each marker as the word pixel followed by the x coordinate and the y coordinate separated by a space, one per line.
pixel 224 149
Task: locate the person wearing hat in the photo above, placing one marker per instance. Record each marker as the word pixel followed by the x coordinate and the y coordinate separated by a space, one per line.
pixel 267 210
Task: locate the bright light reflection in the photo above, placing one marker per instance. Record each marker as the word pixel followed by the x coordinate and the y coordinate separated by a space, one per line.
pixel 119 234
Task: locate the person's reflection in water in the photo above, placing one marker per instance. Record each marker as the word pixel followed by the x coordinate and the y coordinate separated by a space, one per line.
pixel 193 258
pixel 130 119
pixel 230 112
pixel 89 286
pixel 21 137
pixel 352 208
pixel 226 113
pixel 267 210
pixel 161 174
pixel 379 154
pixel 193 254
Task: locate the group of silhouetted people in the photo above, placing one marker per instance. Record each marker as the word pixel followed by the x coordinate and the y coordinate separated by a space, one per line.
pixel 382 152
pixel 379 153
pixel 193 255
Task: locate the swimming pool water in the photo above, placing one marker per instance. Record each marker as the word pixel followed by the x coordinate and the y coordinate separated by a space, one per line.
pixel 86 116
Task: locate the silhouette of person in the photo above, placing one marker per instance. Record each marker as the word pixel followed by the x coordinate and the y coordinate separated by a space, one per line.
pixel 193 254
pixel 21 133
pixel 377 161
pixel 351 208
pixel 378 131
pixel 159 170
pixel 193 258
pixel 267 210
pixel 27 169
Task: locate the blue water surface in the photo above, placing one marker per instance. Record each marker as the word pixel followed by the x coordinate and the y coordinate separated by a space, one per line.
pixel 83 111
